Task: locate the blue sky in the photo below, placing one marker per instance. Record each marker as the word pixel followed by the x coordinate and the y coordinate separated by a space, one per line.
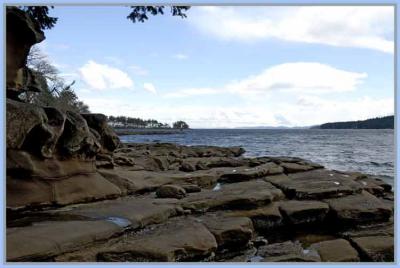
pixel 230 66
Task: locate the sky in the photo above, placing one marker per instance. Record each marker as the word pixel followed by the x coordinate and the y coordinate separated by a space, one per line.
pixel 226 67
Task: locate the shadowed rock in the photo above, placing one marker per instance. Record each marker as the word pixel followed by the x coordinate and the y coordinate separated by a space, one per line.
pixel 375 248
pixel 338 250
pixel 359 208
pixel 302 212
pixel 44 240
pixel 176 241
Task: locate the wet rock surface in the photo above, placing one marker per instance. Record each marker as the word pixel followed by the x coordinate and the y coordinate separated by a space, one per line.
pixel 161 213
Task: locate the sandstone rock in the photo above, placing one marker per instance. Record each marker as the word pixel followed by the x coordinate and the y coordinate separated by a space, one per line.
pixel 30 192
pixel 183 240
pixel 145 181
pixel 108 139
pixel 247 173
pixel 187 167
pixel 22 164
pixel 359 208
pixel 287 252
pixel 21 119
pixel 374 185
pixel 171 191
pixel 250 194
pixel 243 256
pixel 230 232
pixel 104 161
pixel 275 179
pixel 22 33
pixel 302 212
pixel 213 162
pixel 377 229
pixel 375 248
pixel 338 250
pixel 191 188
pixel 42 241
pixel 263 218
pixel 83 188
pixel 280 159
pixel 77 139
pixel 122 160
pixel 135 212
pixel 170 149
pixel 317 184
pixel 295 167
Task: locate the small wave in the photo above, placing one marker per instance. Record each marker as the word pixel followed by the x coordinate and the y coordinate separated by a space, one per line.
pixel 385 164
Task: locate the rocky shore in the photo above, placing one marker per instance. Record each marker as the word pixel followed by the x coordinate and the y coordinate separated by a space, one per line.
pixel 166 203
pixel 74 192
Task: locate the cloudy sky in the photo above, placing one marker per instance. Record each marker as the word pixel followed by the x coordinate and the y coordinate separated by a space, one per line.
pixel 230 66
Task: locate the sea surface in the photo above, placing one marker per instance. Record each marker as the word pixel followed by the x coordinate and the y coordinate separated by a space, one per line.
pixel 369 151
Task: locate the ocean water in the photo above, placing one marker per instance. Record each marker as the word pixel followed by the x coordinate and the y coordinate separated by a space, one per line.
pixel 369 151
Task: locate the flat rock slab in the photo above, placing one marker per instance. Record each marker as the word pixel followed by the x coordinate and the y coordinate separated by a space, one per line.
pixel 70 190
pixel 131 182
pixel 295 167
pixel 230 232
pixel 44 240
pixel 247 173
pixel 249 194
pixel 287 252
pixel 375 248
pixel 302 212
pixel 264 218
pixel 197 163
pixel 359 208
pixel 338 250
pixel 317 184
pixel 381 229
pixel 275 178
pixel 129 211
pixel 183 240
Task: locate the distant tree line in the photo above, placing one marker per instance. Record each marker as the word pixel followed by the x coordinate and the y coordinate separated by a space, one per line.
pixel 130 122
pixel 386 122
pixel 180 125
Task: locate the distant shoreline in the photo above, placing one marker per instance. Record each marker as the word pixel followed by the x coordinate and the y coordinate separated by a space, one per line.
pixel 153 131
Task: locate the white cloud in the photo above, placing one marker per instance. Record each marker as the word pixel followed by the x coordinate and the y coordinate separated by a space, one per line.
pixel 150 88
pixel 102 76
pixel 304 77
pixel 181 56
pixel 345 26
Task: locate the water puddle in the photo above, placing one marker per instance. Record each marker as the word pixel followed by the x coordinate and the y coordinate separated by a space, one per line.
pixel 121 222
pixel 256 259
pixel 217 187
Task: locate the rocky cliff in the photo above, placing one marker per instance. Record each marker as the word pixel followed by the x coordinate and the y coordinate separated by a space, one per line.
pixel 50 154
